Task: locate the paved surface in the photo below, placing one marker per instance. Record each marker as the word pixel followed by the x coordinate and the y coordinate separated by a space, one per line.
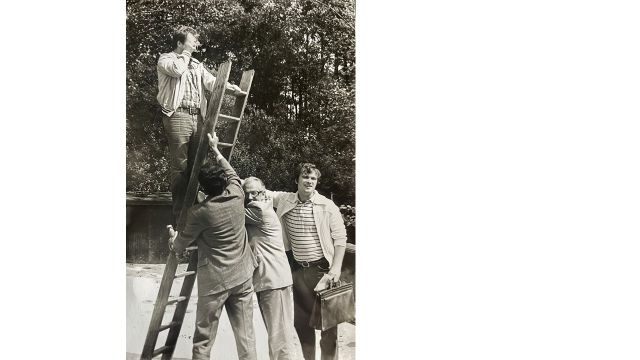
pixel 143 282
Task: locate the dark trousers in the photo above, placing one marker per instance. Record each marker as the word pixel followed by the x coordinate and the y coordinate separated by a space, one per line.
pixel 305 280
pixel 238 301
pixel 182 130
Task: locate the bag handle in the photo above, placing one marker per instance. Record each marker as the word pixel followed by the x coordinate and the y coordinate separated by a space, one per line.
pixel 334 284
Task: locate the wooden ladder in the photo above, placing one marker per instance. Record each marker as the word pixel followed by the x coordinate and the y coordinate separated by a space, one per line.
pixel 230 131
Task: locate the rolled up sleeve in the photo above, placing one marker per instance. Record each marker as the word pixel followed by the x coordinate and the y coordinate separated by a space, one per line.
pixel 338 230
pixel 172 66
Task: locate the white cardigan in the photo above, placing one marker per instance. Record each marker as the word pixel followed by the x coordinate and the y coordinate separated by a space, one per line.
pixel 172 72
pixel 326 215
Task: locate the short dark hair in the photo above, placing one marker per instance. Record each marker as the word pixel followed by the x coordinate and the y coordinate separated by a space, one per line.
pixel 307 168
pixel 212 179
pixel 180 34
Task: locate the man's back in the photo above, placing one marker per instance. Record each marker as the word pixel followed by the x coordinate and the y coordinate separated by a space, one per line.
pixel 265 237
pixel 225 259
pixel 223 237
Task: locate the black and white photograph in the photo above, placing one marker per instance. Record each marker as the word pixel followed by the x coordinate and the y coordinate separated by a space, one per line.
pixel 240 173
pixel 180 180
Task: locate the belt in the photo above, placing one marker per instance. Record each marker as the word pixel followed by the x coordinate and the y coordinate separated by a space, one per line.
pixel 189 110
pixel 311 263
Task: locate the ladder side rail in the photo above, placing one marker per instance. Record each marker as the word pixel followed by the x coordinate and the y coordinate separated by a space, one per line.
pixel 240 104
pixel 181 308
pixel 213 110
pixel 159 307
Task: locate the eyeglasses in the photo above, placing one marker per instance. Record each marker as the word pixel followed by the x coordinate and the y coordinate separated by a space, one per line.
pixel 254 193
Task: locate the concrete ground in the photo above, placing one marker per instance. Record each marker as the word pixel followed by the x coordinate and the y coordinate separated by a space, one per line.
pixel 143 282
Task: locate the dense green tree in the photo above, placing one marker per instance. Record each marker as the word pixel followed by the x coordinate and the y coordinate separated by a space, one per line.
pixel 302 102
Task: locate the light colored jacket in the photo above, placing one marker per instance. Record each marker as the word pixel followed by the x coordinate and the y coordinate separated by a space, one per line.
pixel 265 237
pixel 326 216
pixel 172 73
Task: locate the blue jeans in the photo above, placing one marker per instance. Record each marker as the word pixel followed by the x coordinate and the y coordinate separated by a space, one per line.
pixel 182 130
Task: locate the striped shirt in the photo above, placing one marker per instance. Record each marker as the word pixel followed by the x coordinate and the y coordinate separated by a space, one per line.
pixel 191 92
pixel 302 232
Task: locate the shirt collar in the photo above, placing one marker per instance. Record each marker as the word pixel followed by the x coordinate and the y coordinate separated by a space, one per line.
pixel 311 199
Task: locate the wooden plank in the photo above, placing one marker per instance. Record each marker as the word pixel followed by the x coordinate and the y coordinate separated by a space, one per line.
pixel 176 300
pixel 186 273
pixel 161 350
pixel 227 117
pixel 169 325
pixel 238 94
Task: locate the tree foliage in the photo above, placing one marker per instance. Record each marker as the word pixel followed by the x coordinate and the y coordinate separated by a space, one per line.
pixel 302 102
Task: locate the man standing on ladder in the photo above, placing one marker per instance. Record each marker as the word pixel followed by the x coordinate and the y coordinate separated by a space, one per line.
pixel 225 260
pixel 181 83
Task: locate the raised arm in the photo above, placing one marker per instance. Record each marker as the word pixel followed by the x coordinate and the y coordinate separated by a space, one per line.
pixel 275 196
pixel 208 79
pixel 234 184
pixel 174 66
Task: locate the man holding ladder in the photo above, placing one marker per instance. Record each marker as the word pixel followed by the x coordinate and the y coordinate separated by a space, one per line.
pixel 225 260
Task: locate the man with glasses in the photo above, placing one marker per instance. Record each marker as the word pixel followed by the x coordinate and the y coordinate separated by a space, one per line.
pixel 272 278
pixel 181 83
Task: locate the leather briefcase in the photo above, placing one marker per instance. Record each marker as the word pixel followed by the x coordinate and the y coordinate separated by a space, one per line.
pixel 333 306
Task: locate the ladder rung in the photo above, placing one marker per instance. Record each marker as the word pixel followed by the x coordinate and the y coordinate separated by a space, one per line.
pixel 176 300
pixel 186 273
pixel 169 325
pixel 234 93
pixel 191 248
pixel 161 350
pixel 227 117
pixel 225 144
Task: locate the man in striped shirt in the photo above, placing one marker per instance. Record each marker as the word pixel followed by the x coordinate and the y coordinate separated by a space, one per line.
pixel 314 230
